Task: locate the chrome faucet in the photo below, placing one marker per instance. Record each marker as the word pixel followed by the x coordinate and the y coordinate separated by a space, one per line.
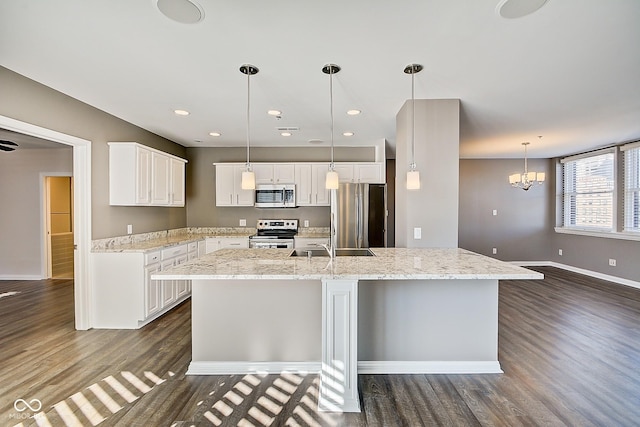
pixel 331 250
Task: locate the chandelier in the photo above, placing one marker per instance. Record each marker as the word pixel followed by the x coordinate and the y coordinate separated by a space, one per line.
pixel 526 179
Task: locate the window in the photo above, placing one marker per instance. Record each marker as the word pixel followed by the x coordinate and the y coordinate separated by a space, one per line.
pixel 588 191
pixel 631 187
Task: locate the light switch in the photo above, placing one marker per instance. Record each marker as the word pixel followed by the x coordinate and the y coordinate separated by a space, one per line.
pixel 243 223
pixel 417 233
pixel 495 212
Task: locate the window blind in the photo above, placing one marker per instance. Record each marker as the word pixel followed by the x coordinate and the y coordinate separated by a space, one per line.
pixel 588 192
pixel 632 188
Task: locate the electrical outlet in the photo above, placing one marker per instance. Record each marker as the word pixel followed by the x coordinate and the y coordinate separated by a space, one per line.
pixel 560 252
pixel 130 229
pixel 494 250
pixel 306 223
pixel 495 212
pixel 243 223
pixel 417 233
pixel 612 262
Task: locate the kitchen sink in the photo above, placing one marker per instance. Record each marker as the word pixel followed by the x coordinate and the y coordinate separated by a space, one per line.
pixel 339 252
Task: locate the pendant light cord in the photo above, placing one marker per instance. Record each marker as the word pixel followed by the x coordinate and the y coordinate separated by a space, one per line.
pixel 413 123
pixel 248 114
pixel 331 109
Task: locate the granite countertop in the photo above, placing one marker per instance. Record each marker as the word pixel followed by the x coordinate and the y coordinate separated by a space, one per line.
pixel 388 264
pixel 165 239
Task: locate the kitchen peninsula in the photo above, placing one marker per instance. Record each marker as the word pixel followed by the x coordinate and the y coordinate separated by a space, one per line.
pixel 400 311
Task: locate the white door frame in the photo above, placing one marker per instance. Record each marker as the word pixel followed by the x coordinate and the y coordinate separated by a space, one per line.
pixel 81 211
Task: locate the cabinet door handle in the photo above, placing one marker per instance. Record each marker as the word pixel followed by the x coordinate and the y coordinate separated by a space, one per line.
pixel 230 199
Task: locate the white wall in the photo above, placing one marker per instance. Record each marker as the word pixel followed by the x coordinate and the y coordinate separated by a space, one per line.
pixel 21 209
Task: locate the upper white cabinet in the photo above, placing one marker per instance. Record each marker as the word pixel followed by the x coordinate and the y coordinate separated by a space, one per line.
pixel 372 173
pixel 274 173
pixel 229 190
pixel 143 176
pixel 310 184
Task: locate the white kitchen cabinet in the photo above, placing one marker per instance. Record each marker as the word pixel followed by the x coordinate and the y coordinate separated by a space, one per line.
pixel 229 190
pixel 345 172
pixel 372 173
pixel 125 295
pixel 177 183
pixel 143 176
pixel 274 173
pixel 310 242
pixel 225 242
pixel 310 184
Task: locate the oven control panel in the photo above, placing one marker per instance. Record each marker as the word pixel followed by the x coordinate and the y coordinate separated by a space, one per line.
pixel 277 224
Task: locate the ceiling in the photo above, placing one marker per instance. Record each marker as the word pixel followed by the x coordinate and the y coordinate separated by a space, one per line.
pixel 570 71
pixel 26 142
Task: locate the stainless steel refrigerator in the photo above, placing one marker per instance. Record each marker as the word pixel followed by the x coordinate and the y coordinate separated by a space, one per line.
pixel 361 215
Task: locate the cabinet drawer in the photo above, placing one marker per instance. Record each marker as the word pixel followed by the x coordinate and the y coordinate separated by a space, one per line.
pixel 174 252
pixel 192 247
pixel 151 257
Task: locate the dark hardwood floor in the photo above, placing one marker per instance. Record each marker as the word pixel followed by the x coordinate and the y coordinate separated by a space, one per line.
pixel 569 346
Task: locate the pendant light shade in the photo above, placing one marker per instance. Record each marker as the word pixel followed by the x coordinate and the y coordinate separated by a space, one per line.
pixel 413 175
pixel 248 177
pixel 332 181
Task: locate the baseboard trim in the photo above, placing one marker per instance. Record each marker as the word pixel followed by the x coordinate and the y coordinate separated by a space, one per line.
pixel 595 274
pixel 238 368
pixel 21 277
pixel 429 367
pixel 364 367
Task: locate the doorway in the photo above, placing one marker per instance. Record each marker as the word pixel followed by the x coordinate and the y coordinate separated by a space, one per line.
pixel 81 211
pixel 59 226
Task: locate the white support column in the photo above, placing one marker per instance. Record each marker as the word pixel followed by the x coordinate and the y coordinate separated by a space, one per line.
pixel 339 375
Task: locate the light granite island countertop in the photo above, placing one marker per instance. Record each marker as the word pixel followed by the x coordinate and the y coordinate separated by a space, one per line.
pixel 402 311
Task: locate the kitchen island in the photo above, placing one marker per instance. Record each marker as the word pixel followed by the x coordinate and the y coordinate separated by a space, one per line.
pixel 400 311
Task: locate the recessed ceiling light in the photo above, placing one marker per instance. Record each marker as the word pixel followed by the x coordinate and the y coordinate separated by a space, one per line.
pixel 181 112
pixel 512 9
pixel 354 112
pixel 183 11
pixel 286 134
pixel 215 133
pixel 347 133
pixel 274 112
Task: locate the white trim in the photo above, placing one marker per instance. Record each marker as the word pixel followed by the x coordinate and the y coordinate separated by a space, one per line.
pixel 429 367
pixel 20 277
pixel 589 154
pixel 81 210
pixel 595 274
pixel 627 235
pixel 630 146
pixel 239 368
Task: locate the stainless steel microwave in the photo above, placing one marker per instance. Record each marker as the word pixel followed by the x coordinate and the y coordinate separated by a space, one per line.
pixel 275 196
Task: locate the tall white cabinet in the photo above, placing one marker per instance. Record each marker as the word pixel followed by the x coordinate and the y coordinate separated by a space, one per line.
pixel 144 176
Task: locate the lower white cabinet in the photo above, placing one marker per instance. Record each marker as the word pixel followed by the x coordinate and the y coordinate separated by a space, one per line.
pixel 125 297
pixel 216 243
pixel 310 242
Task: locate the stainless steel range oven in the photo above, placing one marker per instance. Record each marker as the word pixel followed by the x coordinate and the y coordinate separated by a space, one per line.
pixel 274 233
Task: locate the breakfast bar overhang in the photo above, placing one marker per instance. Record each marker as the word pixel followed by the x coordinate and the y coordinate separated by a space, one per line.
pixel 401 311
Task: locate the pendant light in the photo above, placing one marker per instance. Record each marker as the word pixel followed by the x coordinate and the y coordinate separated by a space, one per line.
pixel 248 177
pixel 413 175
pixel 331 182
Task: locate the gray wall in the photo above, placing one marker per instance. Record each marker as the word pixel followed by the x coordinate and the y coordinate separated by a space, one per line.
pixel 523 230
pixel 201 188
pixel 523 227
pixel 22 175
pixel 28 101
pixel 434 207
